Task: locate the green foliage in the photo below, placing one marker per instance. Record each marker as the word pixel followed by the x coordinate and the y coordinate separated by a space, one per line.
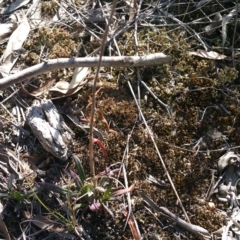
pixel 21 197
pixel 90 193
pixel 80 169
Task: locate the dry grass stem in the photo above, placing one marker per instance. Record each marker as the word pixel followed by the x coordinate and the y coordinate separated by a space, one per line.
pixel 159 154
pixel 91 156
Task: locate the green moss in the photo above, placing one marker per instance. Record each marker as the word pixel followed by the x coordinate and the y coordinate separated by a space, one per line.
pixel 55 42
pixel 49 8
pixel 227 75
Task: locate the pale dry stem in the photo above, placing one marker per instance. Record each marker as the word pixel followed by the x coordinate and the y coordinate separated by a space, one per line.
pixel 158 153
pixel 104 39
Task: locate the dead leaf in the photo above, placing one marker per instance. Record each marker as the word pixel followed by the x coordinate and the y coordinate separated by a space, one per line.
pixel 39 91
pixel 132 225
pixel 64 89
pixel 45 223
pixel 217 22
pixel 17 38
pixel 208 55
pixel 58 93
pixel 35 13
pixel 61 14
pixel 78 77
pixel 61 87
pixel 15 5
pixel 4 229
pixel 6 30
pixel 226 20
pixel 14 45
pixel 133 7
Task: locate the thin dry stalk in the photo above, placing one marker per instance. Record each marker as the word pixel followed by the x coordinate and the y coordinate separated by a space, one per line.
pixel 158 153
pixel 195 229
pixel 10 114
pixel 16 126
pixel 188 29
pixel 136 53
pixel 104 39
pixel 128 194
pixel 234 36
pixel 132 224
pixel 154 96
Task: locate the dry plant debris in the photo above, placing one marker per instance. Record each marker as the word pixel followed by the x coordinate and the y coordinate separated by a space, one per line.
pixel 165 111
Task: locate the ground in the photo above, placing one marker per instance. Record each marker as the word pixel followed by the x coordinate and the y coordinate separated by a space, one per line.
pixel 200 125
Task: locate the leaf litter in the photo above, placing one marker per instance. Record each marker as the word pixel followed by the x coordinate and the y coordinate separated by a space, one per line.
pixel 199 86
pixel 14 45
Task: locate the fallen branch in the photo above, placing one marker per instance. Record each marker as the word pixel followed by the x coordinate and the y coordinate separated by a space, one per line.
pixel 122 61
pixel 194 229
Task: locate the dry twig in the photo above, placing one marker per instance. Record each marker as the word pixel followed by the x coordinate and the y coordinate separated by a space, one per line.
pixel 123 61
pixel 194 229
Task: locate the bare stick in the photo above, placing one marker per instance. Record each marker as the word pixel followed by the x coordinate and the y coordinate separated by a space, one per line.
pixel 123 61
pixel 195 229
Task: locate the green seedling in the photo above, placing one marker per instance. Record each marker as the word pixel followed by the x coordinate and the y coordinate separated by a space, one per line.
pixel 14 192
pixel 87 193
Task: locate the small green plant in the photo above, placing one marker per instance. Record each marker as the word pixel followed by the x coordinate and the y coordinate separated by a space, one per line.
pixel 17 194
pixel 82 193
